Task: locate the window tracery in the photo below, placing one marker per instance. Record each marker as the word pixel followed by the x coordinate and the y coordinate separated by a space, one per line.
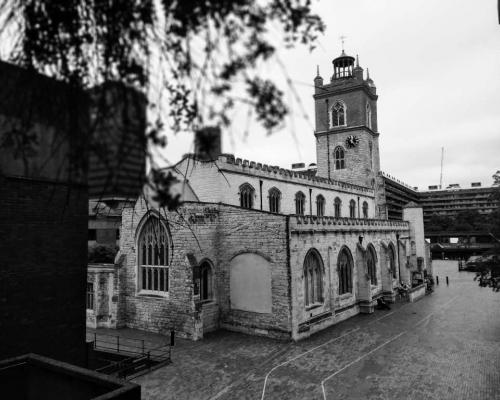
pixel 153 256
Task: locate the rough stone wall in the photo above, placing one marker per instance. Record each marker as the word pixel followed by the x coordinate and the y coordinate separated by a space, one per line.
pixel 415 216
pixel 211 185
pixel 210 317
pixel 328 240
pixel 355 101
pixel 43 255
pixel 105 296
pixel 218 233
pixel 359 170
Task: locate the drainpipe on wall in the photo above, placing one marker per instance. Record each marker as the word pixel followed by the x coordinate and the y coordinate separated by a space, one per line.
pixel 289 276
pixel 327 137
pixel 260 182
pixel 359 215
pixel 399 263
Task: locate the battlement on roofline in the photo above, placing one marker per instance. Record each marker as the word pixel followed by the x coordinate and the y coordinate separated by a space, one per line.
pixel 303 223
pixel 228 162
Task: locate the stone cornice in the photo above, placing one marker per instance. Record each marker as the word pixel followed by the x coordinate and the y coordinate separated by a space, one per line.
pixel 347 129
pixel 312 224
pixel 329 92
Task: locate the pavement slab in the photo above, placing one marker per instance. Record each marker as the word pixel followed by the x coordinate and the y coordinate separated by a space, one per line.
pixel 445 346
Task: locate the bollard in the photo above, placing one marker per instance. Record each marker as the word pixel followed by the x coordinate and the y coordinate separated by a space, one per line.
pixel 437 280
pixel 172 337
pixel 447 282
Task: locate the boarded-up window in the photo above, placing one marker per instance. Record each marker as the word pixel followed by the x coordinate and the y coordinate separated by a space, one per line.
pixel 250 283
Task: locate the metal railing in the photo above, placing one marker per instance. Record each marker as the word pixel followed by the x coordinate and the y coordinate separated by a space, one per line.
pixel 138 354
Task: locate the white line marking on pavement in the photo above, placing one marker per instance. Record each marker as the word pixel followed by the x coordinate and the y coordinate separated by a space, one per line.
pixel 378 319
pixel 357 360
pixel 440 308
pixel 300 355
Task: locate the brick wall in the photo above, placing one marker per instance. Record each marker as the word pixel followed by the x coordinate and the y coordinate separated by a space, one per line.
pixel 43 253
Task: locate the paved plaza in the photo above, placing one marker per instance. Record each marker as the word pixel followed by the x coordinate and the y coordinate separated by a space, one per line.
pixel 445 346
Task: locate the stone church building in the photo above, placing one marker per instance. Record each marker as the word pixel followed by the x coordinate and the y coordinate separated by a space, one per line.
pixel 265 250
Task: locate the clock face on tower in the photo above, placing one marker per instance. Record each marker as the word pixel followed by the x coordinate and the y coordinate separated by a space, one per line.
pixel 351 141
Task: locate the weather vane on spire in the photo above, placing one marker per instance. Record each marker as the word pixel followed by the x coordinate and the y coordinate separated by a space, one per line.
pixel 342 38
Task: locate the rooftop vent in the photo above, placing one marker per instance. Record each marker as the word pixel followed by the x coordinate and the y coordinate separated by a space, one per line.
pixel 433 187
pixel 475 184
pixel 298 165
pixel 453 186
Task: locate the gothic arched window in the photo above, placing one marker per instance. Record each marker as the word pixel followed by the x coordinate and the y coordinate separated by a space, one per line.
pixel 313 278
pixel 300 200
pixel 344 270
pixel 338 114
pixel 368 115
pixel 274 200
pixel 246 195
pixel 206 284
pixel 153 249
pixel 352 209
pixel 320 205
pixel 392 261
pixel 338 207
pixel 365 209
pixel 339 157
pixel 371 264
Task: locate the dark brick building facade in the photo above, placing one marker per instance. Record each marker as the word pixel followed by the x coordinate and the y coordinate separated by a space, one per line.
pixel 43 216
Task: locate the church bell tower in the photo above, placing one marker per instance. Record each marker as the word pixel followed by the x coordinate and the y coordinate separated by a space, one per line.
pixel 346 124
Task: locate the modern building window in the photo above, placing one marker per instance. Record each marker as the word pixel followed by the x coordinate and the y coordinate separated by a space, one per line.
pixel 339 158
pixel 344 269
pixel 352 209
pixel 274 200
pixel 90 296
pixel 365 209
pixel 338 114
pixel 246 195
pixel 206 284
pixel 153 248
pixel 313 278
pixel 368 115
pixel 300 200
pixel 392 262
pixel 371 264
pixel 320 205
pixel 338 207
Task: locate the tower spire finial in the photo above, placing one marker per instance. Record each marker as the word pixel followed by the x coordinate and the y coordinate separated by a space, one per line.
pixel 357 61
pixel 367 74
pixel 317 70
pixel 342 38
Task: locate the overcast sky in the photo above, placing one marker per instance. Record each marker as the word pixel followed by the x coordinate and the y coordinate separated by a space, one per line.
pixel 436 65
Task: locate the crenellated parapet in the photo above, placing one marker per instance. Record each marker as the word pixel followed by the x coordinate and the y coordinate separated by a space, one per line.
pixel 308 223
pixel 227 162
